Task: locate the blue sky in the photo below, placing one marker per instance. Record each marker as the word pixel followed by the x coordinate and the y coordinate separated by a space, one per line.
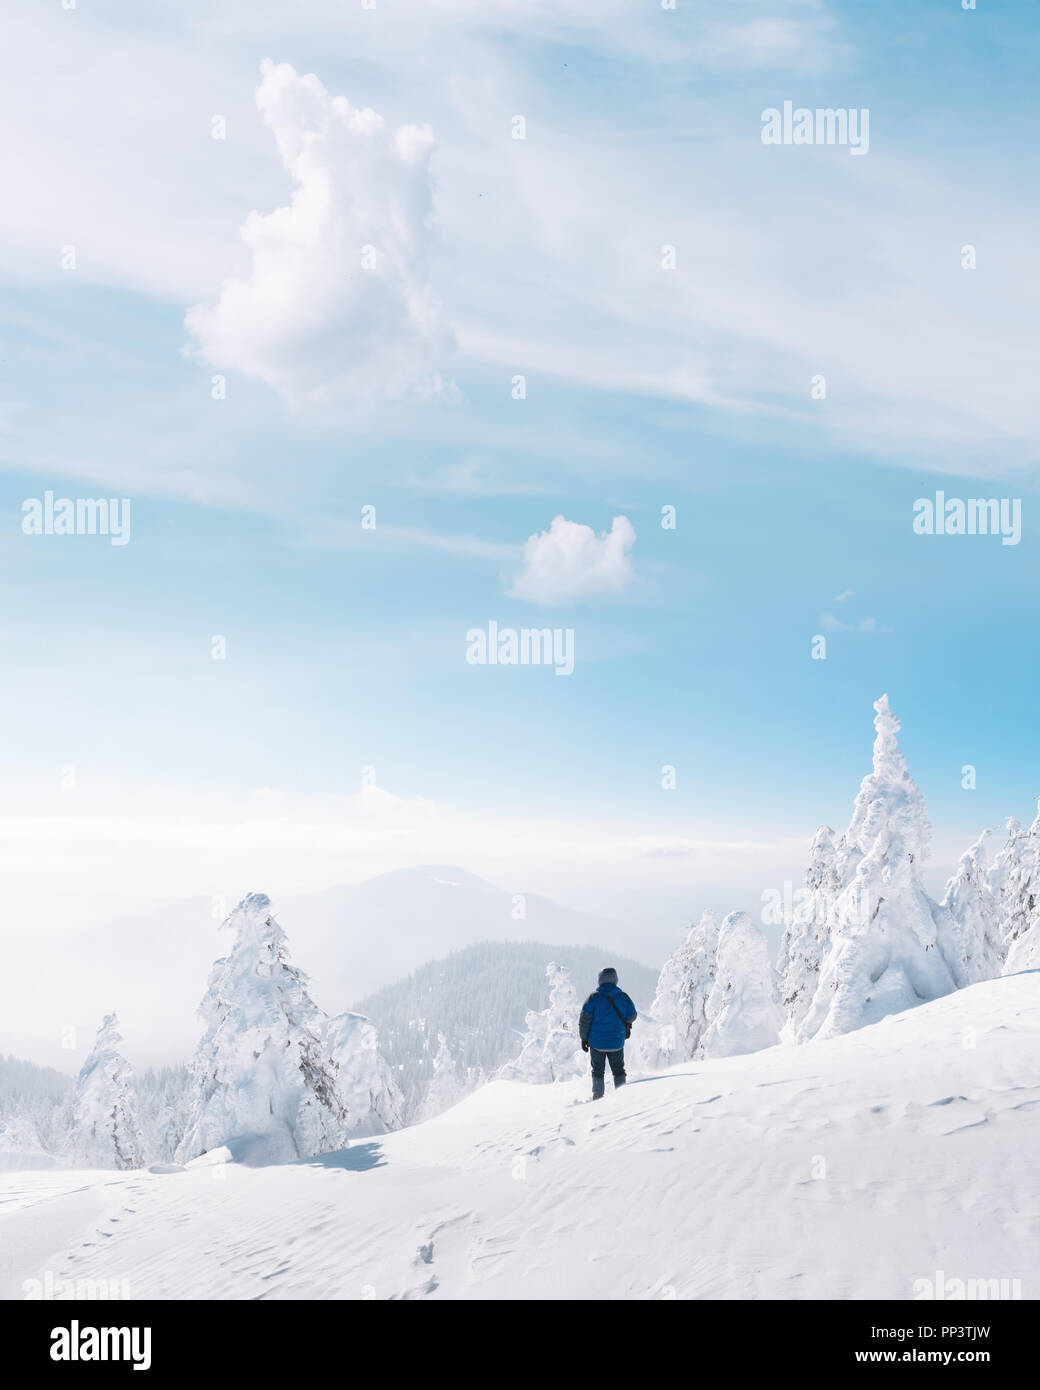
pixel 645 388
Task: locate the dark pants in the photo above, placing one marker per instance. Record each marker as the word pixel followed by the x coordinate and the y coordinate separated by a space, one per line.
pixel 599 1060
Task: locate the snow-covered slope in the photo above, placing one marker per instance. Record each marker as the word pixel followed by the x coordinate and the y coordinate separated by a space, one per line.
pixel 846 1168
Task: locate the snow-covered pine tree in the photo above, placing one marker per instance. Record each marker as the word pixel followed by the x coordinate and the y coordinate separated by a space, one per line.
pixel 527 1065
pixel 366 1083
pixel 105 1132
pixel 806 934
pixel 162 1097
pixel 35 1114
pixel 262 1072
pixel 742 1013
pixel 890 946
pixel 21 1146
pixel 550 1050
pixel 974 909
pixel 1014 883
pixel 446 1086
pixel 675 1026
pixel 561 1053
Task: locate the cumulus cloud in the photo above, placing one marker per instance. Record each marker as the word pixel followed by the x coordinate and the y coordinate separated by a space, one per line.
pixel 336 302
pixel 570 562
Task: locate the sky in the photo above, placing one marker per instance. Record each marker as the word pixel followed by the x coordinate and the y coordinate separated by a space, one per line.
pixel 517 284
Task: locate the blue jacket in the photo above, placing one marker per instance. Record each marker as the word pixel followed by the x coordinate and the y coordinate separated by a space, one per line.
pixel 599 1024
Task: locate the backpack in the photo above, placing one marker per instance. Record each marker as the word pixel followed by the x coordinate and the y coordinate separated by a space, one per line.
pixel 627 1022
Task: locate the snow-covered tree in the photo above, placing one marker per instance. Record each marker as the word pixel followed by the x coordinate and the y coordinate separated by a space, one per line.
pixel 263 1073
pixel 527 1065
pixel 994 903
pixel 446 1086
pixel 806 935
pixel 367 1085
pixel 742 1013
pixel 162 1099
pixel 36 1107
pixel 105 1132
pixel 550 1049
pixel 974 909
pixel 1014 883
pixel 21 1146
pixel 675 1026
pixel 889 946
pixel 561 1053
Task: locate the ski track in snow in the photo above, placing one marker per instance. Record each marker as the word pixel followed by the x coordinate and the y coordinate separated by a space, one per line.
pixel 698 1182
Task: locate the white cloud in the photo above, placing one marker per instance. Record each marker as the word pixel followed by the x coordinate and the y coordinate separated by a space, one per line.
pixel 569 562
pixel 832 624
pixel 336 302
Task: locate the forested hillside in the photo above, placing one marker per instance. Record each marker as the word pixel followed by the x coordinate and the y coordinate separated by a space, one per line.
pixel 476 998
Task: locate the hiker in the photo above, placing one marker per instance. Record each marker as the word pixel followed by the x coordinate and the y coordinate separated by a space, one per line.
pixel 605 1023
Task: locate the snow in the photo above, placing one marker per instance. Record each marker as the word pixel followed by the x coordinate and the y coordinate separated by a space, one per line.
pixel 845 1168
pixel 1024 953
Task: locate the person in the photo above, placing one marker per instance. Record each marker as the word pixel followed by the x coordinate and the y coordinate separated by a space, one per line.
pixel 605 1023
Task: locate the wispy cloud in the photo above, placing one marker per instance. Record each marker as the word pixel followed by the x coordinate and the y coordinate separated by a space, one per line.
pixel 829 623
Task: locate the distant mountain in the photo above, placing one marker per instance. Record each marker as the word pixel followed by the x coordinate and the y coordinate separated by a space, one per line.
pixel 370 934
pixel 477 998
pixel 152 967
